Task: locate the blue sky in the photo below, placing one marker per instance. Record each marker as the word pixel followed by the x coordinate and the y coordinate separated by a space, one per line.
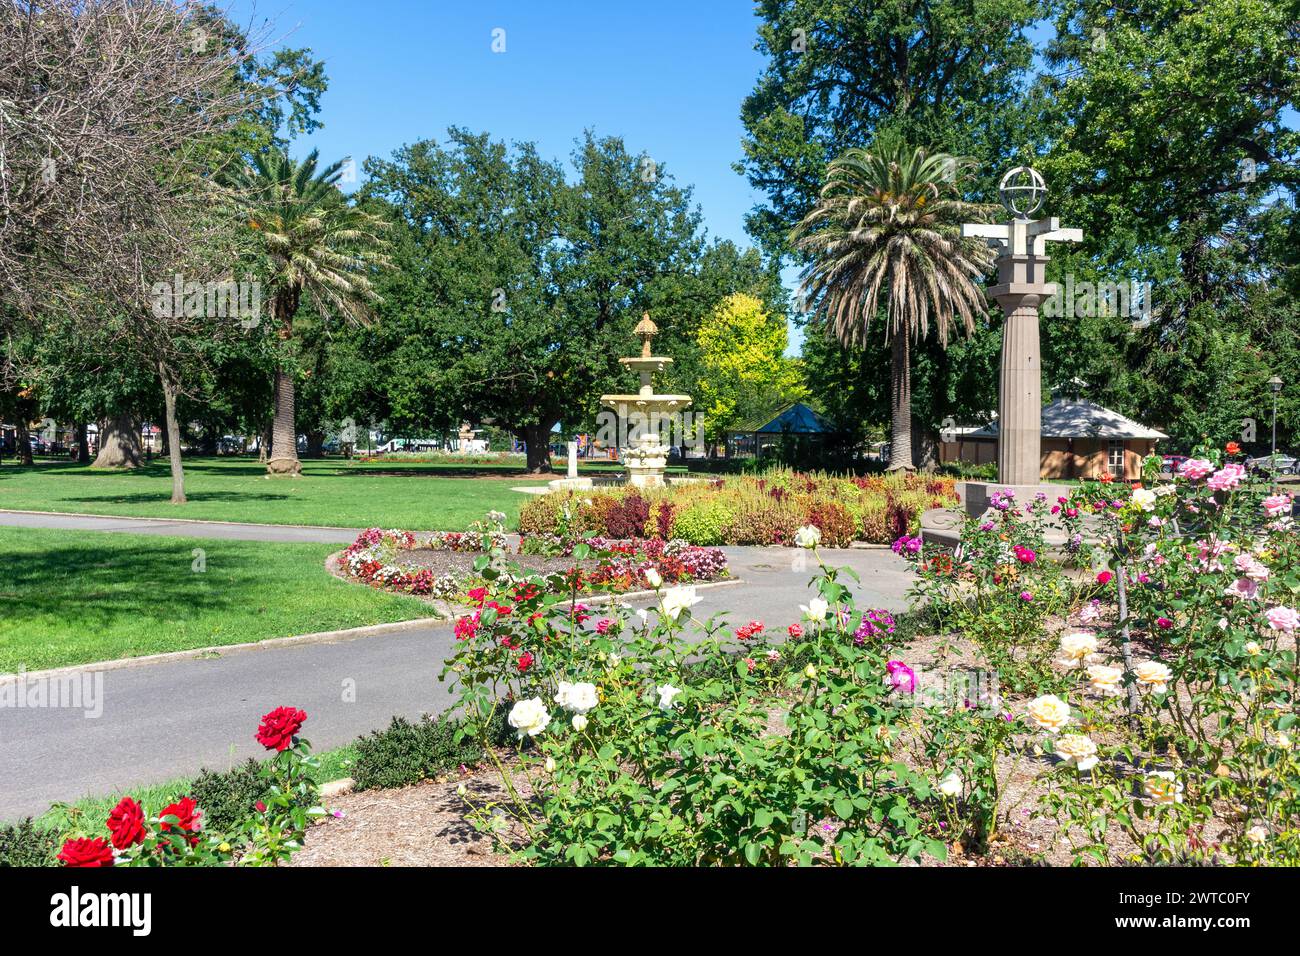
pixel 668 77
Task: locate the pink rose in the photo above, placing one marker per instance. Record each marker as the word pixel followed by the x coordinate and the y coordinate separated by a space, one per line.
pixel 1226 478
pixel 1194 469
pixel 1285 619
pixel 901 677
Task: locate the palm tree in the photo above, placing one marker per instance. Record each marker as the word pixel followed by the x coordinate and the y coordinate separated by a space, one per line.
pixel 315 243
pixel 890 218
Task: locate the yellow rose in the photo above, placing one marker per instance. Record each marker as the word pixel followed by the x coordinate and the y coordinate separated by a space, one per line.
pixel 1152 676
pixel 1077 648
pixel 1105 680
pixel 1077 750
pixel 1049 713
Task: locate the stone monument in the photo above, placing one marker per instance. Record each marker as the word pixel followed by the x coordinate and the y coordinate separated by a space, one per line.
pixel 1021 289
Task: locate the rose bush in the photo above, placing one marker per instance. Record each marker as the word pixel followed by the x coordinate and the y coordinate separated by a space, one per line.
pixel 267 834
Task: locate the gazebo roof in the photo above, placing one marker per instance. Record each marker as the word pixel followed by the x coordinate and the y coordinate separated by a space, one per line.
pixel 1080 418
pixel 796 418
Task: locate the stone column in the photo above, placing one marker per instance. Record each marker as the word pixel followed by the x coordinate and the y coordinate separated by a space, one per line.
pixel 1019 291
pixel 573 459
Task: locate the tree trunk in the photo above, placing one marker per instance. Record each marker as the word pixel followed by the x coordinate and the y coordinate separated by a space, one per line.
pixel 119 443
pixel 315 444
pixel 82 456
pixel 24 441
pixel 284 436
pixel 900 446
pixel 537 448
pixel 170 387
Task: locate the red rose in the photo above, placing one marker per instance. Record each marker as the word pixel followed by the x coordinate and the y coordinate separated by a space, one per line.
pixel 261 807
pixel 1104 577
pixel 126 823
pixel 187 815
pixel 1232 448
pixel 279 727
pixel 83 852
pixel 525 661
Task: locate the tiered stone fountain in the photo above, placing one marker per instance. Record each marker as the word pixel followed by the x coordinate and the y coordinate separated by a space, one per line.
pixel 647 456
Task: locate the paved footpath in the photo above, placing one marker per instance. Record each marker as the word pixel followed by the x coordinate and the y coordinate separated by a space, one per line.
pixel 168 719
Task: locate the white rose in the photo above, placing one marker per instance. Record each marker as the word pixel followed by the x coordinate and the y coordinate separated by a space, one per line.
pixel 1253 648
pixel 1163 787
pixel 815 610
pixel 1257 834
pixel 666 694
pixel 529 717
pixel 950 786
pixel 1049 712
pixel 652 578
pixel 1077 647
pixel 579 723
pixel 1144 499
pixel 809 536
pixel 676 600
pixel 577 698
pixel 1105 680
pixel 1077 750
pixel 1152 676
pixel 550 765
pixel 810 672
pixel 1162 490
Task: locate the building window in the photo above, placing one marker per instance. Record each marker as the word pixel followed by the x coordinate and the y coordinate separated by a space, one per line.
pixel 1115 458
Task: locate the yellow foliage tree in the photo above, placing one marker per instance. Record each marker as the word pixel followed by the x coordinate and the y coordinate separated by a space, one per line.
pixel 744 371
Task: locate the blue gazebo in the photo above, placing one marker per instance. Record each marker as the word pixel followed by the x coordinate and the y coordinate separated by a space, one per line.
pixel 795 420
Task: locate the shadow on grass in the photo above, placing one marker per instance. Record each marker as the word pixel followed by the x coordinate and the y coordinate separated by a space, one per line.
pixel 153 498
pixel 83 589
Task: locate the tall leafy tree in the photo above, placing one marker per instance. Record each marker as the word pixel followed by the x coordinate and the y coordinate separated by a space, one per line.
pixel 316 244
pixel 1170 144
pixel 744 369
pixel 520 286
pixel 890 220
pixel 948 74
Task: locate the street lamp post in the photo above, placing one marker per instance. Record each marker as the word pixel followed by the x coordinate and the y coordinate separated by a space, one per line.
pixel 1275 384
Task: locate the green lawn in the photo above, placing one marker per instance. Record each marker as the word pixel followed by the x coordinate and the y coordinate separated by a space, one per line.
pixel 331 492
pixel 68 597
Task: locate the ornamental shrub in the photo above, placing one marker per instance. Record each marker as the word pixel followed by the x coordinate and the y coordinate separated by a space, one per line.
pixel 628 518
pixel 25 844
pixel 835 522
pixel 704 522
pixel 407 753
pixel 229 797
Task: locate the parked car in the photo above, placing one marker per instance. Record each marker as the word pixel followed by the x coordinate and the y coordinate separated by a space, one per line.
pixel 1173 462
pixel 1272 464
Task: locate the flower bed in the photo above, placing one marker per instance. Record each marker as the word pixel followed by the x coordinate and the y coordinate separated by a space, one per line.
pixel 1157 729
pixel 747 510
pixel 391 560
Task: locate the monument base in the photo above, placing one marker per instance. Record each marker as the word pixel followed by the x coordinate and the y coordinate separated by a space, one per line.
pixel 570 484
pixel 943 526
pixel 975 496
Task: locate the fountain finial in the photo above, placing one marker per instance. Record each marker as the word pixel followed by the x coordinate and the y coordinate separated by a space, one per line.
pixel 647 330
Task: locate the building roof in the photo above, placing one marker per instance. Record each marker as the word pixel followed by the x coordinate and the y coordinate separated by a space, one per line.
pixel 796 418
pixel 1080 418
